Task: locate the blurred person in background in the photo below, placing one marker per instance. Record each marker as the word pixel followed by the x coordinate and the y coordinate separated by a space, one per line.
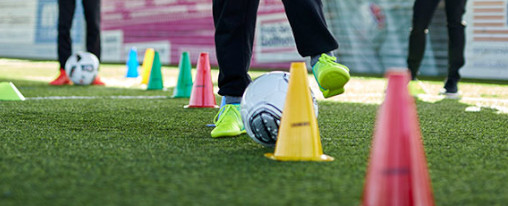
pixel 423 10
pixel 235 22
pixel 92 11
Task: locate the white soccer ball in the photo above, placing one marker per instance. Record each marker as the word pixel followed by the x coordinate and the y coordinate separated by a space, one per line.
pixel 262 106
pixel 82 68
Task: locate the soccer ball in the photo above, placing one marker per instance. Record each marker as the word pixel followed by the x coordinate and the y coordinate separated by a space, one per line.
pixel 262 105
pixel 82 68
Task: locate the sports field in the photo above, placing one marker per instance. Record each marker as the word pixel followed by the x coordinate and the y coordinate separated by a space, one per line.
pixel 123 145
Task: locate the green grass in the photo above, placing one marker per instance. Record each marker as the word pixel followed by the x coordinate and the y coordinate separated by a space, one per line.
pixel 154 152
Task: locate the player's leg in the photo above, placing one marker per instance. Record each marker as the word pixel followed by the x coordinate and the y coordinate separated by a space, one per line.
pixel 235 23
pixel 92 11
pixel 456 42
pixel 313 39
pixel 423 10
pixel 64 43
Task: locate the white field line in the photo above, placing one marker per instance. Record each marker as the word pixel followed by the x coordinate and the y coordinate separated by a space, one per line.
pixel 479 99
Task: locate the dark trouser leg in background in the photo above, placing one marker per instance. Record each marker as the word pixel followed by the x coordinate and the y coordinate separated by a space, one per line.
pixel 308 23
pixel 65 15
pixel 423 10
pixel 454 11
pixel 235 23
pixel 92 10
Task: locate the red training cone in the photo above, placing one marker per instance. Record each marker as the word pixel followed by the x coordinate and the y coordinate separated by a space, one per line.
pixel 397 172
pixel 202 95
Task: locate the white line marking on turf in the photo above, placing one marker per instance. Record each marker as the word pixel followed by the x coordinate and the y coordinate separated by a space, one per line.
pixel 95 97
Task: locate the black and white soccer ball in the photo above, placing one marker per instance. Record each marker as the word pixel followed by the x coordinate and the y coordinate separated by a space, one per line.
pixel 82 68
pixel 262 106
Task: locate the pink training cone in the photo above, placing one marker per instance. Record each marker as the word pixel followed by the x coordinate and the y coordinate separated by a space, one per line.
pixel 397 173
pixel 202 95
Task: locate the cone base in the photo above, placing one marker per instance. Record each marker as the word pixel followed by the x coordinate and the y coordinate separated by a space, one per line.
pixel 322 158
pixel 180 96
pixel 200 106
pixel 9 92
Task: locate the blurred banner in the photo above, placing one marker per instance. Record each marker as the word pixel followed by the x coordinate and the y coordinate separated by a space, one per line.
pixel 29 29
pixel 373 34
pixel 172 27
pixel 487 40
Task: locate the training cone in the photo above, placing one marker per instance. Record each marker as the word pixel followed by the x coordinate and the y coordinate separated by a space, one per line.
pixel 155 82
pixel 132 64
pixel 147 65
pixel 9 92
pixel 298 138
pixel 202 90
pixel 183 87
pixel 397 173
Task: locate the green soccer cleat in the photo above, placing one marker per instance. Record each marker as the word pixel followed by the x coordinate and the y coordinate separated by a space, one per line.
pixel 415 88
pixel 229 122
pixel 330 75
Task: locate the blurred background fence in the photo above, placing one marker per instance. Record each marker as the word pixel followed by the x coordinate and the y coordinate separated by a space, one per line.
pixel 372 34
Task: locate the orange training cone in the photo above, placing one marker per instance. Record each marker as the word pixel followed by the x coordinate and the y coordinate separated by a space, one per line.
pixel 202 90
pixel 298 138
pixel 147 65
pixel 397 173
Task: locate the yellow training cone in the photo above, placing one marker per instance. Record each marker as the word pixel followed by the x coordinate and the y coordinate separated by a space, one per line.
pixel 147 65
pixel 298 138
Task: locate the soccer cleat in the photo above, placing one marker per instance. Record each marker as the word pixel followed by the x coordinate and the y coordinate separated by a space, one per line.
pixel 415 88
pixel 62 79
pixel 450 90
pixel 97 81
pixel 229 122
pixel 450 95
pixel 330 75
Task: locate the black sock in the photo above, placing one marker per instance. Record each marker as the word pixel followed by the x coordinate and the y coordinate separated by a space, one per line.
pixel 233 99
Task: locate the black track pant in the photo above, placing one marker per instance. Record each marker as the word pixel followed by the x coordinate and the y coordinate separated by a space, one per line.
pixel 92 10
pixel 423 11
pixel 235 22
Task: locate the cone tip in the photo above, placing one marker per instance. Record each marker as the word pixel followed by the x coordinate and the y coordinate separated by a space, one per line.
pixel 397 71
pixel 298 66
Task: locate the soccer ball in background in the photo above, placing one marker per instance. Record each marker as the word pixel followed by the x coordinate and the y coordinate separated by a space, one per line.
pixel 262 106
pixel 82 68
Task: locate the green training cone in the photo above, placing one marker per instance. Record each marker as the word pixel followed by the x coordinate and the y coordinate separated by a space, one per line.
pixel 9 92
pixel 184 85
pixel 155 81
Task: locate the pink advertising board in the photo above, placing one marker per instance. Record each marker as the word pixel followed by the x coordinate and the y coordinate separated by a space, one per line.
pixel 174 26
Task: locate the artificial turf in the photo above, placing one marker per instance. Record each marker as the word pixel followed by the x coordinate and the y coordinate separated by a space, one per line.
pixel 108 151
